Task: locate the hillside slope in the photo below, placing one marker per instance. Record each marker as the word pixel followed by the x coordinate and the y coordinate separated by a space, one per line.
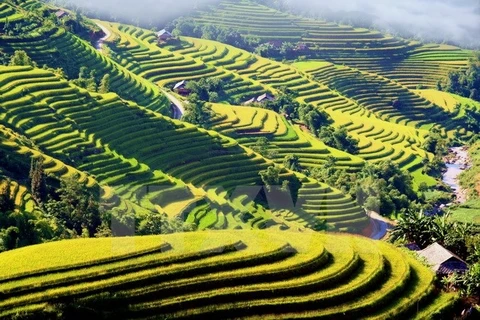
pixel 359 100
pixel 157 163
pixel 411 63
pixel 220 275
pixel 54 45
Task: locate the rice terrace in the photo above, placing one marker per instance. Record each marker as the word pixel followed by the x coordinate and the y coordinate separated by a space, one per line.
pixel 239 159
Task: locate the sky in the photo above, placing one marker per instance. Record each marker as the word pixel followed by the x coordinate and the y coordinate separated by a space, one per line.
pixel 456 21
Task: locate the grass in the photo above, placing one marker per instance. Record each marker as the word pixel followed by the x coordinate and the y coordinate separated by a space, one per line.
pixel 468 212
pixel 310 65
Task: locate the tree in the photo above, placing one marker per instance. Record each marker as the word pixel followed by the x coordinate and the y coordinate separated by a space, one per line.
pixel 207 89
pixel 474 94
pixel 423 187
pixel 76 207
pixel 470 282
pixel 271 176
pixel 338 138
pixel 372 203
pixel 20 58
pixel 6 25
pixel 7 204
pixel 466 82
pixel 37 180
pixel 105 84
pixel 313 118
pixel 415 228
pixel 156 223
pixel 197 112
pixel 292 162
pixel 9 238
pixel 262 146
pixel 83 73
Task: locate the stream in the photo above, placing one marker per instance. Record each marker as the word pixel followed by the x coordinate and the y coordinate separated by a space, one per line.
pixel 457 162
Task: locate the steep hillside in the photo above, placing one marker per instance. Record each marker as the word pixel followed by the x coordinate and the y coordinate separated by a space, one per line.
pixel 362 101
pixel 51 44
pixel 220 275
pixel 156 163
pixel 409 62
pixel 247 125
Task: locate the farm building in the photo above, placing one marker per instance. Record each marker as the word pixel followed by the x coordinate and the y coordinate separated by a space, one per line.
pixel 265 97
pixel 163 36
pixel 276 44
pixel 250 101
pixel 301 47
pixel 61 14
pixel 181 88
pixel 260 99
pixel 443 261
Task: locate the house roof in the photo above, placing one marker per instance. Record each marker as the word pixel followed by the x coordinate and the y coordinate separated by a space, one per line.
pixel 441 259
pixel 412 246
pixel 163 32
pixel 275 43
pixel 264 96
pixel 180 84
pixel 60 13
pixel 250 101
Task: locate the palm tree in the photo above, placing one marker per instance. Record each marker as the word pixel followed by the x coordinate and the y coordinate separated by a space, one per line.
pixel 415 228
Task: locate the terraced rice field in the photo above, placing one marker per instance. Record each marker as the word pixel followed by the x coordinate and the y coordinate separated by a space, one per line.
pixel 220 275
pixel 353 108
pixel 178 162
pixel 407 62
pixel 247 125
pixel 57 47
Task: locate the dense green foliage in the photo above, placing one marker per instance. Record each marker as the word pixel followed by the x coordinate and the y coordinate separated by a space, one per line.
pixel 206 89
pixel 197 111
pixel 466 82
pixel 383 188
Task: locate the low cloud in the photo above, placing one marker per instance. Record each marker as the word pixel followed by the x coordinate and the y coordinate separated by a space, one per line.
pixel 138 12
pixel 453 21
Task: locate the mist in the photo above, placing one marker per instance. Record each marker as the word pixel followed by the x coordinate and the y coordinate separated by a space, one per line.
pixel 145 13
pixel 450 21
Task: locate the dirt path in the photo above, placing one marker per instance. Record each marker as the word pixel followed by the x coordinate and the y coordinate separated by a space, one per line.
pixel 381 225
pixel 179 110
pixel 99 42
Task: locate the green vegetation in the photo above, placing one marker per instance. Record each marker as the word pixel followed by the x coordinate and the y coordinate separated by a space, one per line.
pixel 466 83
pixel 468 212
pixel 290 124
pixel 460 238
pixel 382 187
pixel 212 274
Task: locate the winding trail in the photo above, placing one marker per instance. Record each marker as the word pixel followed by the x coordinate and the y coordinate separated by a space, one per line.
pixel 179 109
pixel 381 225
pixel 99 43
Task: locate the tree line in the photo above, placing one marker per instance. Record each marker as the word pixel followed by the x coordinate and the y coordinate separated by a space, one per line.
pixel 65 209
